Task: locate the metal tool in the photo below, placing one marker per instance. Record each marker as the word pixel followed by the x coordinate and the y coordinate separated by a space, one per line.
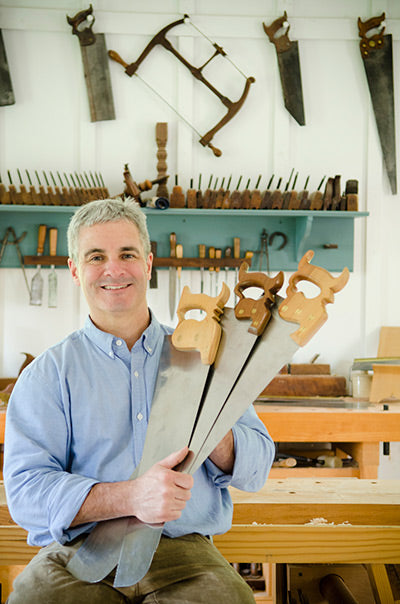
pixel 179 371
pixel 16 241
pixel 218 256
pixel 52 278
pixel 6 89
pixel 287 53
pixel 172 276
pixel 36 290
pixel 228 362
pixel 377 55
pixel 95 65
pixel 211 269
pixel 179 254
pixel 202 254
pixel 160 40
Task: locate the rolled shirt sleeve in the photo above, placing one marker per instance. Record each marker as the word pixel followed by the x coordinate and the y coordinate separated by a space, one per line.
pixel 254 454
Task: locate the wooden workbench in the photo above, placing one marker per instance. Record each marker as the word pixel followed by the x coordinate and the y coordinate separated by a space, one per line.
pixel 357 431
pixel 280 524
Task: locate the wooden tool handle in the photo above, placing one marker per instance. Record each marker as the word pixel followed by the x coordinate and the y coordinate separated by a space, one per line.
pixel 202 250
pixel 218 254
pixel 310 313
pixel 172 245
pixel 236 247
pixel 203 335
pixel 211 254
pixel 115 57
pixel 179 254
pixel 259 311
pixel 53 241
pixel 41 239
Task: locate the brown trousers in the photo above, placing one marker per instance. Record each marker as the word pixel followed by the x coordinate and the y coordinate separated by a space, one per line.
pixel 185 570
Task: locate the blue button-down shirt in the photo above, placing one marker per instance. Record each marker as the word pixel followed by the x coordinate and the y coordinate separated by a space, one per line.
pixel 78 415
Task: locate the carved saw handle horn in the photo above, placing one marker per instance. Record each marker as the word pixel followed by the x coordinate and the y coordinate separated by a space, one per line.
pixel 86 35
pixel 371 43
pixel 203 335
pixel 259 311
pixel 282 42
pixel 310 313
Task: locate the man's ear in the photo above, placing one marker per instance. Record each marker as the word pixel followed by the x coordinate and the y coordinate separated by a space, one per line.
pixel 149 264
pixel 74 271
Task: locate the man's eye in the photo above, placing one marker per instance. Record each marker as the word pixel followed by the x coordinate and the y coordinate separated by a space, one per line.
pixel 96 259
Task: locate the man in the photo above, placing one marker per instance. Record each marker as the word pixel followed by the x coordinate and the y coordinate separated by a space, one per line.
pixel 76 426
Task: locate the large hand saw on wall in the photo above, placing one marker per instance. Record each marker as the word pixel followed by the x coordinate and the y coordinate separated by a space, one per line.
pixel 221 363
pixel 95 65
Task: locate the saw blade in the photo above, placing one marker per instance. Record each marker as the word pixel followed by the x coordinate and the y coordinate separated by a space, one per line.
pixel 97 77
pixel 272 351
pixel 379 71
pixel 290 74
pixel 178 372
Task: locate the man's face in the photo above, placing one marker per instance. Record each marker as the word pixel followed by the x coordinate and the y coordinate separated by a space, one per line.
pixel 112 270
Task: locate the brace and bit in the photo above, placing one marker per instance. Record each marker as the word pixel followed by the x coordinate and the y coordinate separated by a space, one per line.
pixel 15 241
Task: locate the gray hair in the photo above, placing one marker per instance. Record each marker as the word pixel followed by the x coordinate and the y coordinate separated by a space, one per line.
pixel 107 210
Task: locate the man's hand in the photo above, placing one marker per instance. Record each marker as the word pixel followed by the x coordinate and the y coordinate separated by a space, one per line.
pixel 161 493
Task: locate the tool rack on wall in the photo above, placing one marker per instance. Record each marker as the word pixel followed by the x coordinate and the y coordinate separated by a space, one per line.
pixel 329 234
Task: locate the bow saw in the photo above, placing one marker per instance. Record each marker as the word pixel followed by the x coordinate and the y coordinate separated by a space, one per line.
pixel 160 39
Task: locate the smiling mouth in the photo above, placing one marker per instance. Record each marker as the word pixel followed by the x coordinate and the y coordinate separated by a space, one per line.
pixel 115 287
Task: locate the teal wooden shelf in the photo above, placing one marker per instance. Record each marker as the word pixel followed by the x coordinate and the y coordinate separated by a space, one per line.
pixel 330 234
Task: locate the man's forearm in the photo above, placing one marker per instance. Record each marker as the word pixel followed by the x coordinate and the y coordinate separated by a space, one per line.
pixel 224 454
pixel 105 500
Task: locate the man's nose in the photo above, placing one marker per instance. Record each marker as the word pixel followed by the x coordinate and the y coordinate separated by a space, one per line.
pixel 114 266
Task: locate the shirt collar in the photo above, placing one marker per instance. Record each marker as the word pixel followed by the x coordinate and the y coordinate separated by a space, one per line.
pixel 105 341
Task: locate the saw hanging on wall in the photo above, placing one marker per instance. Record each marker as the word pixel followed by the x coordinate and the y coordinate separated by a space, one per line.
pixel 287 53
pixel 6 89
pixel 95 65
pixel 377 55
pixel 197 72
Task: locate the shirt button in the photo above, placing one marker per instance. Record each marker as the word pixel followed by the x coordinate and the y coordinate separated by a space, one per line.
pixel 118 342
pixel 136 374
pixel 150 349
pixel 111 354
pixel 139 416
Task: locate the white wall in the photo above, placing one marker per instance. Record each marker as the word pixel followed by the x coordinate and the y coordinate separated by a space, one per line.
pixel 49 128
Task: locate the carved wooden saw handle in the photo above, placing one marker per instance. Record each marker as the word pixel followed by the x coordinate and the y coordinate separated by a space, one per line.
pixel 203 335
pixel 310 313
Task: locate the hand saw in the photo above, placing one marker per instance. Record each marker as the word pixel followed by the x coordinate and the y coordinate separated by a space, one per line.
pixel 287 52
pixel 377 54
pixel 261 360
pixel 95 65
pixel 237 341
pixel 178 372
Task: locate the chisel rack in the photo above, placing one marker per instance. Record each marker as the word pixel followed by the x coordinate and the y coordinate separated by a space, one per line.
pixel 329 234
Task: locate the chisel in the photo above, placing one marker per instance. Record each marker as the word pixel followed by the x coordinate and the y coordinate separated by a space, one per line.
pixel 37 281
pixel 202 254
pixel 236 197
pixel 207 194
pixel 218 255
pixel 211 254
pixel 172 275
pixel 14 198
pixel 246 197
pixel 236 254
pixel 179 254
pixel 226 200
pixel 42 193
pixel 316 198
pixel 177 198
pixel 52 280
pixel 220 195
